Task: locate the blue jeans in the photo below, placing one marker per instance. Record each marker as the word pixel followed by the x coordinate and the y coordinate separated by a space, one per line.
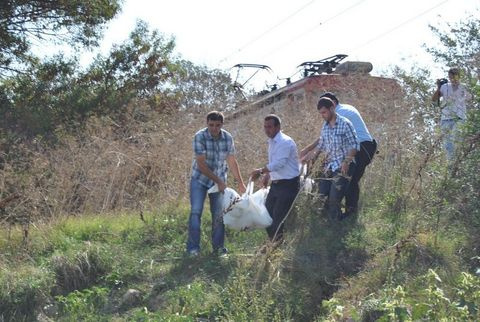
pixel 198 193
pixel 450 136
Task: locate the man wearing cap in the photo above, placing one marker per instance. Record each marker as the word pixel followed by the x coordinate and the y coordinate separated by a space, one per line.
pixel 368 147
pixel 338 141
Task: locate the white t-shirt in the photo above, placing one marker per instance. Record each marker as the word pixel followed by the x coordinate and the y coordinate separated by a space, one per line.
pixel 453 102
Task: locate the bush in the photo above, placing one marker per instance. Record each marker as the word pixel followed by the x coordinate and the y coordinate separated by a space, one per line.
pixel 23 289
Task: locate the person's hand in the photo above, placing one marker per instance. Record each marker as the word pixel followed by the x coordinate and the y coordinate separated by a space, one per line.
pixel 256 174
pixel 241 188
pixel 345 167
pixel 265 180
pixel 221 186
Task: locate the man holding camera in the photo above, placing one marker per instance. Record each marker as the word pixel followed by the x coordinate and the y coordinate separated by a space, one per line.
pixel 454 108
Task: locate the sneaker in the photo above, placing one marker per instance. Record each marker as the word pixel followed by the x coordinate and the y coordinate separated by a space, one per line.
pixel 221 252
pixel 193 253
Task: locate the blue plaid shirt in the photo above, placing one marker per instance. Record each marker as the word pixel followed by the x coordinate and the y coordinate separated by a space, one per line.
pixel 216 152
pixel 337 141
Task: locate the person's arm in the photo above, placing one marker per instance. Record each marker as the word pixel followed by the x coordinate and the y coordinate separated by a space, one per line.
pixel 233 165
pixel 280 160
pixel 346 162
pixel 353 147
pixel 258 172
pixel 311 155
pixel 313 150
pixel 437 94
pixel 308 148
pixel 468 99
pixel 205 170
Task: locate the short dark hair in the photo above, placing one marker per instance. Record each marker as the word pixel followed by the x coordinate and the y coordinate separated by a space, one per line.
pixel 215 116
pixel 454 71
pixel 331 96
pixel 325 102
pixel 275 118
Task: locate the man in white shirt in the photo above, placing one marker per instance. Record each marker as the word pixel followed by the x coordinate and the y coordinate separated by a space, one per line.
pixel 454 108
pixel 284 172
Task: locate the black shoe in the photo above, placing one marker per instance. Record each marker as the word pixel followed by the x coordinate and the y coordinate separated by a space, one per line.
pixel 351 211
pixel 348 213
pixel 343 216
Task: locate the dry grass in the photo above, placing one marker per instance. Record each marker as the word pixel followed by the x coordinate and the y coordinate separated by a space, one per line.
pixel 146 162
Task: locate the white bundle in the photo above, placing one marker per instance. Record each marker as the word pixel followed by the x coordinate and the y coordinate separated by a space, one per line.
pixel 246 211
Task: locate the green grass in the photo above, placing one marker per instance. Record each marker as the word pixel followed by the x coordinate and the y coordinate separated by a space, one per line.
pixel 64 262
pixel 380 264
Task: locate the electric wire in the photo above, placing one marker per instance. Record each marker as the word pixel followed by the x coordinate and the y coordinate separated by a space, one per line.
pixel 267 31
pixel 397 27
pixel 304 33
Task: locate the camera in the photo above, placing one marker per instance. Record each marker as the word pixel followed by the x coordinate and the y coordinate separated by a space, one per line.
pixel 441 81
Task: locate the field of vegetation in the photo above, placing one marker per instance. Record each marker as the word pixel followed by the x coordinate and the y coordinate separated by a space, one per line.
pixel 94 170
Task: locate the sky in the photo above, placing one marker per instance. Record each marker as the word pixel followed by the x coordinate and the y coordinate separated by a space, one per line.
pixel 282 34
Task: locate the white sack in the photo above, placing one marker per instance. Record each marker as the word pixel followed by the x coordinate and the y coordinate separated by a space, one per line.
pixel 247 211
pixel 305 182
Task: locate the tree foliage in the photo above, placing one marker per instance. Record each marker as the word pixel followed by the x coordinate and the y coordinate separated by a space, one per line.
pixel 39 96
pixel 459 45
pixel 57 93
pixel 71 21
pixel 200 87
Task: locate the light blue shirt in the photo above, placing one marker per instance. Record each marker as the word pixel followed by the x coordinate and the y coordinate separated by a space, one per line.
pixel 282 157
pixel 352 114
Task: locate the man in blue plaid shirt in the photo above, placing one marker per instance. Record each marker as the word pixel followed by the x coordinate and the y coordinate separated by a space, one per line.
pixel 339 143
pixel 214 151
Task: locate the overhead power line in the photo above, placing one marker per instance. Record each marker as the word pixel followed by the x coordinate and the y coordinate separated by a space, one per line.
pixel 267 31
pixel 398 26
pixel 304 33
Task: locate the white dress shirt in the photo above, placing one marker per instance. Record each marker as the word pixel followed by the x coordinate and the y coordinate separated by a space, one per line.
pixel 282 157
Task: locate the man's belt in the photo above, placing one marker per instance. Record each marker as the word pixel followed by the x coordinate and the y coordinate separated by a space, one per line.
pixel 286 180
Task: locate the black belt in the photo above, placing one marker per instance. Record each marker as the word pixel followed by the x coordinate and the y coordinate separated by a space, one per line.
pixel 329 173
pixel 286 180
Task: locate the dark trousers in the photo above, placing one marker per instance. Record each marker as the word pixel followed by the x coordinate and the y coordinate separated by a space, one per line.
pixel 280 198
pixel 332 188
pixel 362 159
